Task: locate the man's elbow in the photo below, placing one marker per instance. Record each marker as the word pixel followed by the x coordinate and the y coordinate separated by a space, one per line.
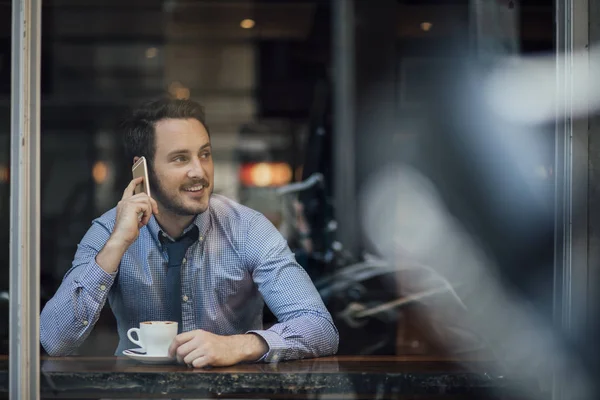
pixel 58 346
pixel 55 352
pixel 334 342
pixel 56 349
pixel 330 339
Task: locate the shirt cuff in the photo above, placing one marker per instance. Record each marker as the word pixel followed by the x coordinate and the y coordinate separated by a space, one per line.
pixel 96 281
pixel 276 345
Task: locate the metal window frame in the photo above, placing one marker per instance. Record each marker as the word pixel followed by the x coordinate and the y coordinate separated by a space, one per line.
pixel 24 353
pixel 571 167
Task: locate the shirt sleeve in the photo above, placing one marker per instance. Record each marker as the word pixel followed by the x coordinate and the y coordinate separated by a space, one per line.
pixel 68 318
pixel 305 327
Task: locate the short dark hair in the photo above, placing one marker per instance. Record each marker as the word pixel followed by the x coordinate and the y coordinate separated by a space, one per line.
pixel 138 128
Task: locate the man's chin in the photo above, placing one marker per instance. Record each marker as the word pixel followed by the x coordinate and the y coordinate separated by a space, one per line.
pixel 187 210
pixel 196 209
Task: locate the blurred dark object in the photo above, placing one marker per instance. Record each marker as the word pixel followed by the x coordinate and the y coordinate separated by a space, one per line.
pixel 469 154
pixel 345 298
pixel 317 201
pixel 290 68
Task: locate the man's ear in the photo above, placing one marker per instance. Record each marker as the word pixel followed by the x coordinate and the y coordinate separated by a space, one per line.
pixel 135 159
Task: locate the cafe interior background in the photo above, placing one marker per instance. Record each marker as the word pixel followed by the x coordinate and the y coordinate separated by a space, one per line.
pixel 264 71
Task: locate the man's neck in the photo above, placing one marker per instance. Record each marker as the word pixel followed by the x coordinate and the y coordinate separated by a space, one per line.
pixel 173 224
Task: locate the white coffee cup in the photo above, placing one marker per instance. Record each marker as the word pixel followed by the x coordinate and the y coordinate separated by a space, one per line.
pixel 154 337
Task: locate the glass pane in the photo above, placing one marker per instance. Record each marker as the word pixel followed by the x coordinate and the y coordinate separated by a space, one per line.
pixel 263 72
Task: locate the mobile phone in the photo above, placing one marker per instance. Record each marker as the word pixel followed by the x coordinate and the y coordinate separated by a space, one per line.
pixel 140 168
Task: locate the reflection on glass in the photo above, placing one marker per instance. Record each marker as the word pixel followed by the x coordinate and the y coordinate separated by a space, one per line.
pixel 263 72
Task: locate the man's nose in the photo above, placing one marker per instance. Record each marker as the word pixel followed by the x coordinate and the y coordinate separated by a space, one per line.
pixel 196 171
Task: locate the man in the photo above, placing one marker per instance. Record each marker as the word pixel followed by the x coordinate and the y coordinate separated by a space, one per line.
pixel 235 260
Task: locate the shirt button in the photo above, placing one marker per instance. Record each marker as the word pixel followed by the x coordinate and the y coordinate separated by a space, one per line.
pixel 201 238
pixel 102 287
pixel 185 298
pixel 85 323
pixel 184 260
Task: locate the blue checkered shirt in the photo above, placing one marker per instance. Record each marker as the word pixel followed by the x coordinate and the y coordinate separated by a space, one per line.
pixel 239 263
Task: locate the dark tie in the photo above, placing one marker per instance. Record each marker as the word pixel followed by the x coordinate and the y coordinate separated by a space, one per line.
pixel 176 251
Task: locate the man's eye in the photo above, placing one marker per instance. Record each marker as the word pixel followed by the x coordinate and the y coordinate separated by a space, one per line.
pixel 179 159
pixel 205 155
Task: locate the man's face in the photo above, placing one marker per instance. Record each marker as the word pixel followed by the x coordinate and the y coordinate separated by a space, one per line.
pixel 181 176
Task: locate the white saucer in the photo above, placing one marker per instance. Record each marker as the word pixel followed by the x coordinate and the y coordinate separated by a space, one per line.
pixel 146 359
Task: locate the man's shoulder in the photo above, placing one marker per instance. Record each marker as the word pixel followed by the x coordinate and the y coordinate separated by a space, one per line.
pixel 107 219
pixel 225 209
pixel 240 224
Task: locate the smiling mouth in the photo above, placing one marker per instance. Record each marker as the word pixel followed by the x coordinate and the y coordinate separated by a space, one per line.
pixel 195 189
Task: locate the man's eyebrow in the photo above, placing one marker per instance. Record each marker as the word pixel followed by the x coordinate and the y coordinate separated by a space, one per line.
pixel 185 151
pixel 181 151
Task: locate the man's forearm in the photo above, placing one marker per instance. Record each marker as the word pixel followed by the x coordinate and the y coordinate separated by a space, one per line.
pixel 111 254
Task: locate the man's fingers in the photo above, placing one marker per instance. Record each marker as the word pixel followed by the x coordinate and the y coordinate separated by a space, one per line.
pixel 128 192
pixel 201 362
pixel 139 197
pixel 179 340
pixel 154 205
pixel 189 358
pixel 143 211
pixel 145 215
pixel 143 197
pixel 185 349
pixel 149 207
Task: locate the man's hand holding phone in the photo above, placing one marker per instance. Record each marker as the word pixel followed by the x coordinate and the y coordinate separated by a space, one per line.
pixel 127 225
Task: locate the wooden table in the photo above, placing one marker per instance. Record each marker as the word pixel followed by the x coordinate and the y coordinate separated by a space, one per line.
pixel 322 378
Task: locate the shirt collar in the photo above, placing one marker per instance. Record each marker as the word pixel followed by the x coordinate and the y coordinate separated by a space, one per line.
pixel 202 221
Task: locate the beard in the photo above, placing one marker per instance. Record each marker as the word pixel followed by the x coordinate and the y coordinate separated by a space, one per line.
pixel 172 202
